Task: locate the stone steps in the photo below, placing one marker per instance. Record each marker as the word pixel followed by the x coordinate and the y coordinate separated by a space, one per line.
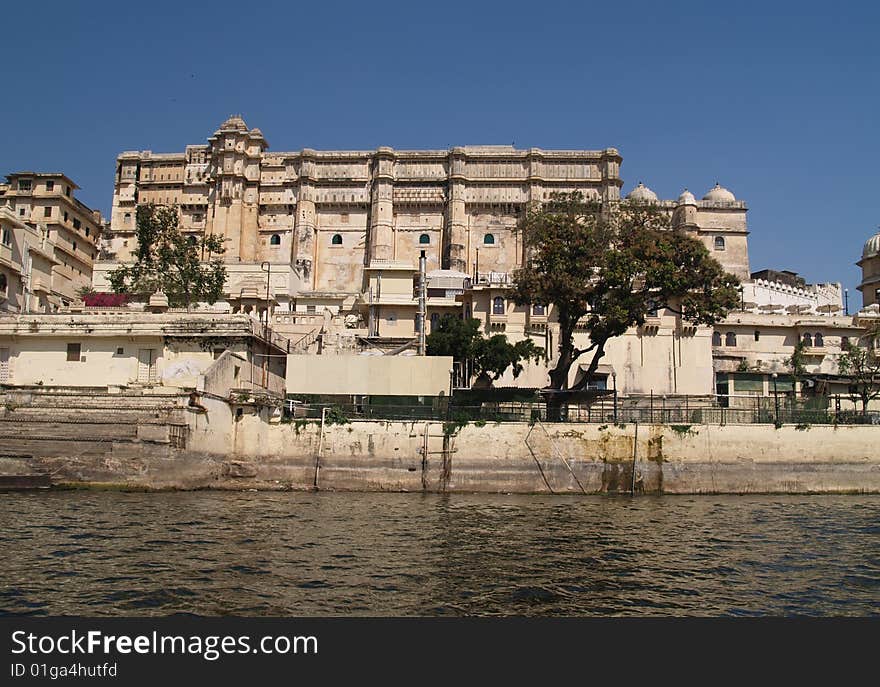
pixel 66 431
pixel 91 416
pixel 89 402
pixel 68 447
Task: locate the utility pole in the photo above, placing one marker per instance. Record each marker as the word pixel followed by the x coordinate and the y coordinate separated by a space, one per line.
pixel 423 302
pixel 775 398
pixel 266 266
pixel 614 382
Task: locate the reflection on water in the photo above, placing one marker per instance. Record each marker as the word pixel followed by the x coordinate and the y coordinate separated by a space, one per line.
pixel 92 553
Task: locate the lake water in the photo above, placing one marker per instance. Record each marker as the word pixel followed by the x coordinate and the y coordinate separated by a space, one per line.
pixel 303 554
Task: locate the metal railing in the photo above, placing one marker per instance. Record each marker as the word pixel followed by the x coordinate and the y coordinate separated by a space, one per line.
pixel 265 332
pixel 607 410
pixel 494 278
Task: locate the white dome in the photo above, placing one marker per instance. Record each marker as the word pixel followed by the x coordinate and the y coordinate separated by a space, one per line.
pixel 719 194
pixel 642 194
pixel 872 247
pixel 687 198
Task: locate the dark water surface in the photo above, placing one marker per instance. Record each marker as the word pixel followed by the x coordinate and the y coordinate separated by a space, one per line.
pixel 104 553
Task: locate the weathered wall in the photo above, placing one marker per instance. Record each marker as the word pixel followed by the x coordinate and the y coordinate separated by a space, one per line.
pixel 368 374
pixel 43 360
pixel 569 458
pixel 137 441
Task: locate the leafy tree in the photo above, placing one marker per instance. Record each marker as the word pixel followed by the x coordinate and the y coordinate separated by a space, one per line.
pixel 463 340
pixel 84 291
pixel 797 364
pixel 496 354
pixel 604 267
pixel 862 365
pixel 186 269
pixel 454 336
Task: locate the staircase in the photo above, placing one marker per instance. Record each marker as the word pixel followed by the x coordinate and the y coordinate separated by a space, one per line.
pixel 75 424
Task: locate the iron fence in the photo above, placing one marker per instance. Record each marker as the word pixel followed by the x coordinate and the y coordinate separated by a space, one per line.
pixel 603 411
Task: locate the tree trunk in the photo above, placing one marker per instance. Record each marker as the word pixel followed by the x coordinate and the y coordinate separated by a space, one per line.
pixel 559 374
pixel 594 365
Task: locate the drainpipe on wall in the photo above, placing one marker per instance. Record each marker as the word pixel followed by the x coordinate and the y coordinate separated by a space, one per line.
pixel 423 302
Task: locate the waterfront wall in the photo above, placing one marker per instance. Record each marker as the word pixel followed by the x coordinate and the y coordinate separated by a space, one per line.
pixel 124 441
pixel 562 458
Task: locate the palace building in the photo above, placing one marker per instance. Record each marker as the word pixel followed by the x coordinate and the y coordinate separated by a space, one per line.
pixel 42 211
pixel 326 246
pixel 330 222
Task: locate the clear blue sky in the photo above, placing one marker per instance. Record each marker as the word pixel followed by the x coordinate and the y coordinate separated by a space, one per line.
pixel 780 102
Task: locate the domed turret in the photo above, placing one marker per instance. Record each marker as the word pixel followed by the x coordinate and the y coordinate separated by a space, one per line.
pixel 719 194
pixel 642 194
pixel 872 247
pixel 687 198
pixel 234 122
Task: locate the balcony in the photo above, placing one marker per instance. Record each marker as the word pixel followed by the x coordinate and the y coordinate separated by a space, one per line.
pixel 814 352
pixel 536 323
pixel 497 321
pixel 310 319
pixel 651 325
pixel 78 255
pixel 494 279
pixel 40 285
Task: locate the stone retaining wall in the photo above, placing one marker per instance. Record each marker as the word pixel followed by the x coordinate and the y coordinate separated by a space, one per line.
pixel 238 447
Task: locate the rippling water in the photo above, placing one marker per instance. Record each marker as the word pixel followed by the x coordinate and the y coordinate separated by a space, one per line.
pixel 99 553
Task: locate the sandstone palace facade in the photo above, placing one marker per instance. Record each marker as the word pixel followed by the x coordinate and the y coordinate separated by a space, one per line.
pixel 330 221
pixel 329 241
pixel 325 247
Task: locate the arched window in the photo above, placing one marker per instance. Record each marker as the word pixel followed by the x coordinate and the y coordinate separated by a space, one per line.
pixel 489 240
pixel 3 282
pixel 424 239
pixel 192 240
pixel 435 321
pixel 336 240
pixel 538 310
pixel 498 305
pixel 807 339
pixel 716 338
pixel 820 340
pixel 126 219
pixel 719 243
pixel 275 240
pixel 757 335
pixel 730 339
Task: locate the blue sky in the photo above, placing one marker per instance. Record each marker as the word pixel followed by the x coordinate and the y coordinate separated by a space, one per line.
pixel 778 101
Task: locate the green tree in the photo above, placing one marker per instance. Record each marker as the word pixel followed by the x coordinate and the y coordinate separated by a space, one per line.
pixel 187 269
pixel 84 291
pixel 797 363
pixel 495 354
pixel 463 340
pixel 604 267
pixel 862 365
pixel 454 336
